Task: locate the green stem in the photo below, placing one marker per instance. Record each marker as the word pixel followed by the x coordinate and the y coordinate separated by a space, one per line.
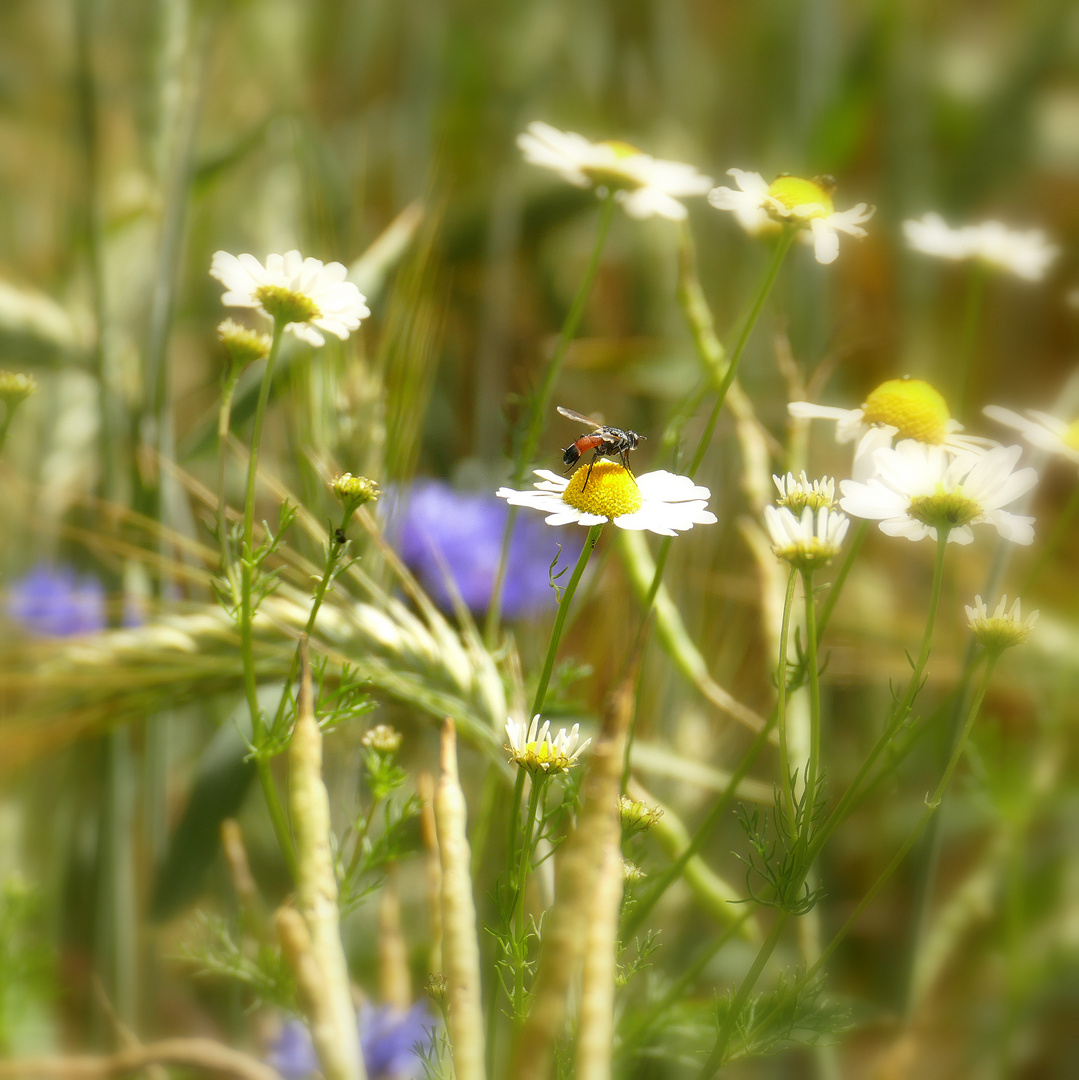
pixel 814 708
pixel 560 618
pixel 224 422
pixel 334 552
pixel 729 374
pixel 840 579
pixel 897 717
pixel 247 640
pixel 361 837
pixel 730 1021
pixel 524 866
pixel 931 804
pixel 781 702
pixel 542 403
pixel 9 415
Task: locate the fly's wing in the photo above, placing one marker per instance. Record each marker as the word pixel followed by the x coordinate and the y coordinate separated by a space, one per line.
pixel 569 414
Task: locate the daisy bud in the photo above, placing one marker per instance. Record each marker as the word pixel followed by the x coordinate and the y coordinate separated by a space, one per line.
pixel 243 344
pixel 632 873
pixel 383 739
pixel 637 816
pixel 1002 629
pixel 15 388
pixel 796 495
pixel 353 491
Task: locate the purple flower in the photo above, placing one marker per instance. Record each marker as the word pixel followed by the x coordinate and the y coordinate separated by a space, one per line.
pixel 56 603
pixel 389 1039
pixel 439 530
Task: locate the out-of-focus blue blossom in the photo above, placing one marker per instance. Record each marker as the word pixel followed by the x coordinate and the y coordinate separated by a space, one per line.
pixel 389 1038
pixel 437 529
pixel 55 602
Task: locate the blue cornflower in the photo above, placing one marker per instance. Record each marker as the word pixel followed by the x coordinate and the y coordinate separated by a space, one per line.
pixel 438 529
pixel 389 1038
pixel 54 602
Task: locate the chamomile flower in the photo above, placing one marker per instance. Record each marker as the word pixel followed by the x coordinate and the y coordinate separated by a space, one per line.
pixel 797 494
pixel 1041 430
pixel 308 295
pixel 644 185
pixel 807 540
pixel 534 748
pixel 1004 628
pixel 790 200
pixel 660 502
pixel 897 409
pixel 919 488
pixel 1027 254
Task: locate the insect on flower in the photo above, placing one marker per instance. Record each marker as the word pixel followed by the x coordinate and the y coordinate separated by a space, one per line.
pixel 604 441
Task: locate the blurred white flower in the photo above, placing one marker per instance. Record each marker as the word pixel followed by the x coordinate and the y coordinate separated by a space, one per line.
pixel 1041 430
pixel 918 488
pixel 660 502
pixel 790 200
pixel 1002 629
pixel 535 749
pixel 806 540
pixel 1027 254
pixel 644 185
pixel 311 296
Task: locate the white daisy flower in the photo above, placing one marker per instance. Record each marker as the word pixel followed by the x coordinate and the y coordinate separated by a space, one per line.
pixel 919 487
pixel 807 540
pixel 797 494
pixel 1002 629
pixel 309 295
pixel 533 747
pixel 660 502
pixel 1041 430
pixel 790 200
pixel 1027 254
pixel 644 185
pixel 897 409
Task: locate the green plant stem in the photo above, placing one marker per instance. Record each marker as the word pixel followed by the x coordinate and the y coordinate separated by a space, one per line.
pixel 643 906
pixel 524 865
pixel 814 707
pixel 781 702
pixel 224 422
pixel 899 714
pixel 932 803
pixel 830 601
pixel 542 402
pixel 247 640
pixel 560 618
pixel 719 1052
pixel 361 838
pixel 9 415
pixel 334 551
pixel 728 377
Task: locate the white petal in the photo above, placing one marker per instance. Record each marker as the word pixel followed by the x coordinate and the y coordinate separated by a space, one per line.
pixel 825 241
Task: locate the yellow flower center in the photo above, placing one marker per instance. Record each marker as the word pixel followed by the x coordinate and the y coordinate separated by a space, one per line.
pixel 621 149
pixel 1071 436
pixel 610 175
pixel 794 192
pixel 912 406
pixel 610 491
pixel 285 305
pixel 808 554
pixel 945 509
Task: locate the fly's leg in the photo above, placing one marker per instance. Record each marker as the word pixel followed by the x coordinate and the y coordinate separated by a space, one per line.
pixel 595 458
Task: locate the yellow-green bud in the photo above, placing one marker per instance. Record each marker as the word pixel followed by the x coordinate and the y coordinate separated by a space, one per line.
pixel 632 873
pixel 1002 629
pixel 383 739
pixel 15 387
pixel 436 987
pixel 354 491
pixel 243 344
pixel 636 815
